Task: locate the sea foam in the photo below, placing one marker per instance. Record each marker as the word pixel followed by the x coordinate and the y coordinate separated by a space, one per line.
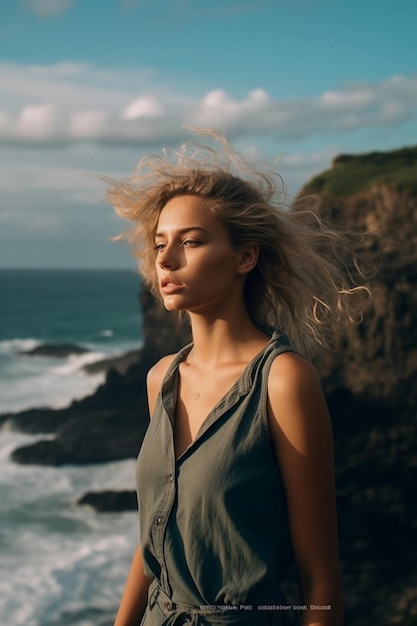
pixel 29 381
pixel 61 564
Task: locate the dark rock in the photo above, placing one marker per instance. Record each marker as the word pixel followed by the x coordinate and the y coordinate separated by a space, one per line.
pixel 89 437
pixel 57 350
pixel 110 501
pixel 34 421
pixel 370 380
pixel 377 360
pixel 119 363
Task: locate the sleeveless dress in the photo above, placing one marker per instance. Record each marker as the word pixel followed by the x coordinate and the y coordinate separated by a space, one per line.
pixel 214 523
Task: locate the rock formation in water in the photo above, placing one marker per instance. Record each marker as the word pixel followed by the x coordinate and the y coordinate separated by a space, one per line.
pixel 55 350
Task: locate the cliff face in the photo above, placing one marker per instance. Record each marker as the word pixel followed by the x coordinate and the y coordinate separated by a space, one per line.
pixel 370 380
pixel 379 357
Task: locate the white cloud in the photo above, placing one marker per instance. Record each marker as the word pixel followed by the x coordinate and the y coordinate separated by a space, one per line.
pixel 354 99
pixel 145 106
pixel 48 8
pixel 35 122
pixel 70 103
pixel 87 124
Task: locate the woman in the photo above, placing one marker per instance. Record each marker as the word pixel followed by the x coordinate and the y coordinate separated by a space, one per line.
pixel 235 474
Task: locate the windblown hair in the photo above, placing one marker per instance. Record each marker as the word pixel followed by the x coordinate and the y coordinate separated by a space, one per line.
pixel 305 277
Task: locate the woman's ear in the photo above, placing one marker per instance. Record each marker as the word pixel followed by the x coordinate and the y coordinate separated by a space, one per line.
pixel 248 259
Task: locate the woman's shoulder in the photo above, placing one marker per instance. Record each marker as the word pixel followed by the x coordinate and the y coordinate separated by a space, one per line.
pixel 290 370
pixel 157 372
pixel 154 379
pixel 297 408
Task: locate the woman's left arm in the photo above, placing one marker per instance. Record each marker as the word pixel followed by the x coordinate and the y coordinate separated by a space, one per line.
pixel 301 431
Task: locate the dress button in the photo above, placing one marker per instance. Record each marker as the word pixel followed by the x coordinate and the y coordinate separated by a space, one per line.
pixel 159 520
pixel 170 478
pixel 168 606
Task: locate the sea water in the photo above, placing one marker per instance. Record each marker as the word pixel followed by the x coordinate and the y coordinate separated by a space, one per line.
pixel 61 564
pixel 97 310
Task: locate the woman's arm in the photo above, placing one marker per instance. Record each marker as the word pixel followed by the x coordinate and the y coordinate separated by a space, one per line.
pixel 302 435
pixel 134 599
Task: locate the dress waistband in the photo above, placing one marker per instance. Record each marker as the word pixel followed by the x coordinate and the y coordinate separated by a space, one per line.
pixel 183 614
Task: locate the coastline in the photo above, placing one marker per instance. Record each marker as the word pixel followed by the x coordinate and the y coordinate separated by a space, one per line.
pixel 110 423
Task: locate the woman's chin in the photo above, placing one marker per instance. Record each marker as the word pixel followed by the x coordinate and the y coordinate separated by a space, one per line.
pixel 171 305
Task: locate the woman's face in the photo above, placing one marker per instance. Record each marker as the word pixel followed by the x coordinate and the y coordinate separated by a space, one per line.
pixel 198 269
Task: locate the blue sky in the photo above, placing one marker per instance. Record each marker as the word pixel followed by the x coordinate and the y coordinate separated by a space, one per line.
pixel 89 86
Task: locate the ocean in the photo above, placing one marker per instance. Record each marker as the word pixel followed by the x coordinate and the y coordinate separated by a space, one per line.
pixel 61 564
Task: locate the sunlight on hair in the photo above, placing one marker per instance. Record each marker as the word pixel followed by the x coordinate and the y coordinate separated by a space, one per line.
pixel 308 274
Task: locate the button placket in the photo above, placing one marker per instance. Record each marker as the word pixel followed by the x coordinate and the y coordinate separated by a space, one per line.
pixel 162 516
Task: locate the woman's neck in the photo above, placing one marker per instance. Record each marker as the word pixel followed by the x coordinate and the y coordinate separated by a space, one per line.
pixel 221 341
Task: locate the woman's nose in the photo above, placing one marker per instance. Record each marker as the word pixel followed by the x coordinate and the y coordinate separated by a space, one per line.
pixel 167 257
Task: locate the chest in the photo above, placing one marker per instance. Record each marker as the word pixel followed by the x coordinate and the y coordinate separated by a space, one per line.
pixel 198 394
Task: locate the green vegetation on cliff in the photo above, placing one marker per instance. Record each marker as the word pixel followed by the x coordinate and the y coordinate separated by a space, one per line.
pixel 354 174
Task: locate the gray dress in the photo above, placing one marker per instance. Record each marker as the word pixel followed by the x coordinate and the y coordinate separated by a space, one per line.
pixel 214 523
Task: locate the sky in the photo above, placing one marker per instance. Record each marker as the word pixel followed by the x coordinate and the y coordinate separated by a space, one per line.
pixel 90 86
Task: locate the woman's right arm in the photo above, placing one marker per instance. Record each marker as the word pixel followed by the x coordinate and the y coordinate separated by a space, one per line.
pixel 134 599
pixel 135 595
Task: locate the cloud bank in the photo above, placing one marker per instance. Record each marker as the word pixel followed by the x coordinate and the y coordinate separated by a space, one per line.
pixel 65 104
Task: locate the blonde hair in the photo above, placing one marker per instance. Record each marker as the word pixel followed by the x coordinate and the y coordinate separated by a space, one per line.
pixel 305 277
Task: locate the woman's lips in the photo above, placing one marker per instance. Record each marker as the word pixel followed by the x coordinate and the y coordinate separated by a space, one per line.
pixel 170 286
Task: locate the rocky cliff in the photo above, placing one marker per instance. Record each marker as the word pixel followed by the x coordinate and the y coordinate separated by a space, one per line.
pixel 370 380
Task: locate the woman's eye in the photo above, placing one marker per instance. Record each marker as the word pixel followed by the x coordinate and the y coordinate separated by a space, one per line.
pixel 158 247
